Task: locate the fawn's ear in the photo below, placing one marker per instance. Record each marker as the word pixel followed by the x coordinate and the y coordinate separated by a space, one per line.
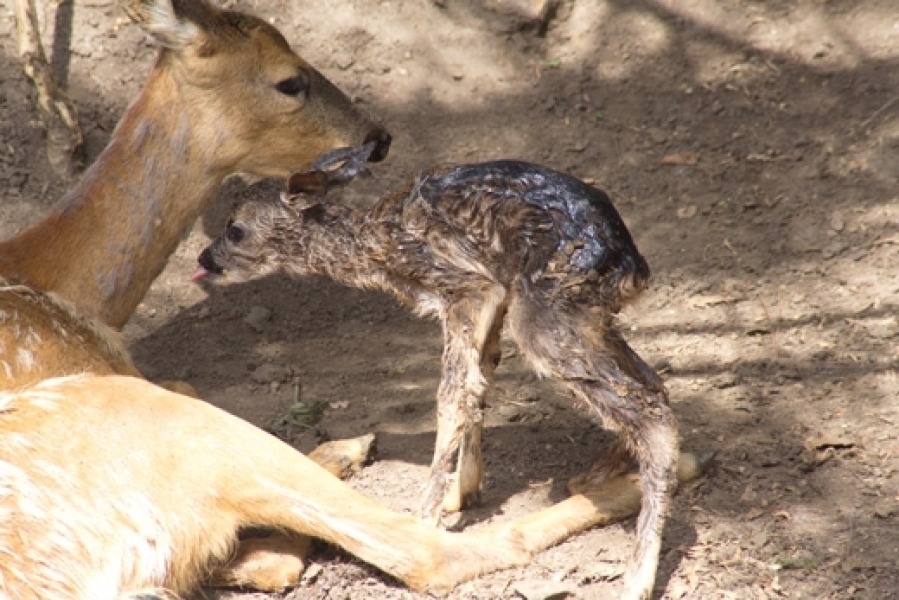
pixel 303 204
pixel 174 24
pixel 313 183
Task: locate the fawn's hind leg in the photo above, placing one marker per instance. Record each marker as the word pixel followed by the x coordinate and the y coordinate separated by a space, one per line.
pixel 561 340
pixel 471 339
pixel 618 458
pixel 647 427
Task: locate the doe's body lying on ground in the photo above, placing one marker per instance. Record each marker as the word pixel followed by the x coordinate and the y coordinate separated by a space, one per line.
pixel 477 246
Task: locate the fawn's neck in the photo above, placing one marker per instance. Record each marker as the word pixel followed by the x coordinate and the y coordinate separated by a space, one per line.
pixel 345 250
pixel 105 242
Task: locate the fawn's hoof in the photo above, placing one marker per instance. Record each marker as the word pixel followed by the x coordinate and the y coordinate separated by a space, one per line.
pixel 690 466
pixel 454 501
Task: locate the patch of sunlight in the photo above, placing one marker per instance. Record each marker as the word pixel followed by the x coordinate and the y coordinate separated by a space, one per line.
pixel 582 26
pixel 461 58
pixel 809 34
pixel 689 348
pixel 644 34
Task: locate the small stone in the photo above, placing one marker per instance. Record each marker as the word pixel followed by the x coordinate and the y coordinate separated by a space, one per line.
pixel 657 135
pixel 337 593
pixel 579 146
pixel 836 222
pixel 885 509
pixel 759 539
pixel 882 328
pixel 344 60
pixel 267 373
pixel 749 497
pixel 258 317
pixel 725 380
pixel 663 366
pixel 541 590
pixel 605 572
pixel 510 412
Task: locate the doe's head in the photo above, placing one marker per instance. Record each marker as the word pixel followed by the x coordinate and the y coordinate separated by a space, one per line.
pixel 252 104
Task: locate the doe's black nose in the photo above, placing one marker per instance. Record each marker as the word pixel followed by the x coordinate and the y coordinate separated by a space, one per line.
pixel 381 138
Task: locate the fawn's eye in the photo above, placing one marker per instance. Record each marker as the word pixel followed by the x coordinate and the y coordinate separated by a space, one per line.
pixel 235 233
pixel 293 86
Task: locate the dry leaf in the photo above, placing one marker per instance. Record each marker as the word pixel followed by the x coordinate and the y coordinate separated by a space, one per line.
pixel 754 513
pixel 688 159
pixel 686 212
pixel 711 300
pixel 828 441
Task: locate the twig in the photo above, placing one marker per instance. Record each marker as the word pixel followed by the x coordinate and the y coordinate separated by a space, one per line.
pixel 64 140
pixel 877 112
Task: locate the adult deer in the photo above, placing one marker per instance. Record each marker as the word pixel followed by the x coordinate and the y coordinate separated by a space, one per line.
pixel 112 487
pixel 227 95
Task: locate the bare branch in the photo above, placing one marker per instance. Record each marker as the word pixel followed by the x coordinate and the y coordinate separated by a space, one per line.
pixel 64 139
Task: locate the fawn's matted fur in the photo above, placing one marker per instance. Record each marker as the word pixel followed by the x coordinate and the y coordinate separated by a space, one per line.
pixel 479 246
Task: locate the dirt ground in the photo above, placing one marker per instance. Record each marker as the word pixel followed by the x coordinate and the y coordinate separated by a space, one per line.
pixel 753 149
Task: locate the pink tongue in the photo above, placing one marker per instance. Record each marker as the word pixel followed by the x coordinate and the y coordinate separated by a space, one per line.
pixel 200 274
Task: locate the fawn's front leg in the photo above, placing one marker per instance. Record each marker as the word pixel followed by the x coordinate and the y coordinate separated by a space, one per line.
pixel 471 339
pixel 465 489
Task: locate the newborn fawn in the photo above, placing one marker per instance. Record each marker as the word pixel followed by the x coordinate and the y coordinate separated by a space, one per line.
pixel 476 246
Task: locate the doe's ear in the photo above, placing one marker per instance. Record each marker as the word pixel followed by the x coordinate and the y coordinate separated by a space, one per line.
pixel 174 24
pixel 312 182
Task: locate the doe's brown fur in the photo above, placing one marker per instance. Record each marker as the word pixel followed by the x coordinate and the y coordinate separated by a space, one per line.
pixel 477 246
pixel 227 95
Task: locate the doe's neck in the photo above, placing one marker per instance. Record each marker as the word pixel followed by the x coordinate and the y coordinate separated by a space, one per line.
pixel 105 242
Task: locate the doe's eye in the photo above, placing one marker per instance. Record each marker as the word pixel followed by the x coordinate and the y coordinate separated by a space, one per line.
pixel 235 233
pixel 293 86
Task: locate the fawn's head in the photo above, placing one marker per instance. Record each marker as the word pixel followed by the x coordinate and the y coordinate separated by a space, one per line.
pixel 262 226
pixel 253 103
